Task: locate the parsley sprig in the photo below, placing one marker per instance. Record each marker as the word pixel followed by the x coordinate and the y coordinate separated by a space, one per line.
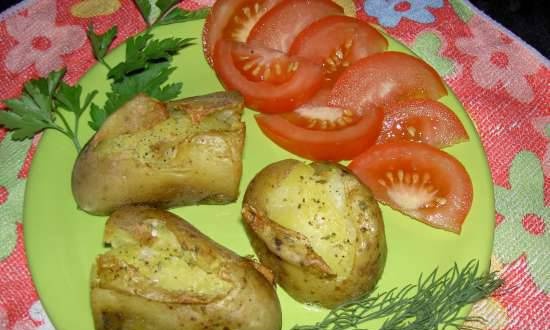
pixel 143 51
pixel 41 101
pixel 169 13
pixel 145 69
pixel 433 303
pixel 101 42
pixel 151 82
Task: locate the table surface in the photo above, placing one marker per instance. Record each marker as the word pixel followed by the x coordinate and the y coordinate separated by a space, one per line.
pixel 501 81
pixel 528 19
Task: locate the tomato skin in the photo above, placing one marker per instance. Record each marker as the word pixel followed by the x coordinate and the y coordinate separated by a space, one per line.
pixel 446 175
pixel 383 78
pixel 419 120
pixel 261 95
pixel 329 145
pixel 279 27
pixel 337 42
pixel 221 22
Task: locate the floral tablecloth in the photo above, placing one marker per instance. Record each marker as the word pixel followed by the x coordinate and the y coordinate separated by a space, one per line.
pixel 503 83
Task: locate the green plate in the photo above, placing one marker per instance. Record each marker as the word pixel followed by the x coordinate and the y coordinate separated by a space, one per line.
pixel 62 241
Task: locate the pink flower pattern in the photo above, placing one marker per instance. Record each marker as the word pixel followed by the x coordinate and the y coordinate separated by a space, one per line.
pixel 40 41
pixel 499 59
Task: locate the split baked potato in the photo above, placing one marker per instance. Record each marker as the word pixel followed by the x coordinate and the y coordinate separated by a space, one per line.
pixel 163 154
pixel 318 228
pixel 163 274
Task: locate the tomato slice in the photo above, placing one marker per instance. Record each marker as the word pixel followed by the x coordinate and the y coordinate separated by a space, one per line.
pixel 278 28
pixel 232 19
pixel 270 81
pixel 336 42
pixel 384 78
pixel 418 180
pixel 323 143
pixel 424 121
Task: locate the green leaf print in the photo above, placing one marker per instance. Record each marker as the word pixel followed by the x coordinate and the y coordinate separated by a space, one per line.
pixel 12 156
pixel 428 46
pixel 524 198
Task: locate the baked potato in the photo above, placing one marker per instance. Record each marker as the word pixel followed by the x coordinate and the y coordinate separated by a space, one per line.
pixel 318 228
pixel 162 273
pixel 163 154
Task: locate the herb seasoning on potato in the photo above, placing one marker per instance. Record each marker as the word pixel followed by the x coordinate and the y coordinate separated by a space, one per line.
pixel 318 228
pixel 162 273
pixel 163 154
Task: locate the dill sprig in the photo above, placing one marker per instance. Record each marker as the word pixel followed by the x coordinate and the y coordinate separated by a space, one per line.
pixel 433 303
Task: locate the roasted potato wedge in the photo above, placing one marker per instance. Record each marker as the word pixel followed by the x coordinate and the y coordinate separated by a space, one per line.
pixel 162 273
pixel 148 152
pixel 318 228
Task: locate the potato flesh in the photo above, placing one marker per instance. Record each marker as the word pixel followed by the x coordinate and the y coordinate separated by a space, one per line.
pixel 316 206
pixel 159 146
pixel 161 264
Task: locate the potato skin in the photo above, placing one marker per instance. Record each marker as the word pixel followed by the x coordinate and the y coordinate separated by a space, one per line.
pixel 250 303
pixel 303 273
pixel 165 155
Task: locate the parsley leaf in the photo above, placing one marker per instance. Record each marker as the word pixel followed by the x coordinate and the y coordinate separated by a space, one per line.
pixel 179 15
pixel 98 116
pixel 169 13
pixel 148 81
pixel 101 42
pixel 32 111
pixel 146 69
pixel 39 105
pixel 69 97
pixel 141 52
pixel 23 124
pixel 144 7
pixel 165 5
pixel 53 80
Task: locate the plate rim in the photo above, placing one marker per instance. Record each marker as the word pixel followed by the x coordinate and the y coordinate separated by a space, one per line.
pixel 484 265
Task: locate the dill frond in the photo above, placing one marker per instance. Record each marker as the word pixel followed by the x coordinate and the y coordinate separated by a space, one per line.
pixel 434 302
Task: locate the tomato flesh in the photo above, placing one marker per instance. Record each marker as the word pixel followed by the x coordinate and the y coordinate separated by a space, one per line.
pixel 264 64
pixel 299 80
pixel 424 121
pixel 279 27
pixel 383 78
pixel 321 117
pixel 336 42
pixel 232 19
pixel 323 144
pixel 418 180
pixel 316 114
